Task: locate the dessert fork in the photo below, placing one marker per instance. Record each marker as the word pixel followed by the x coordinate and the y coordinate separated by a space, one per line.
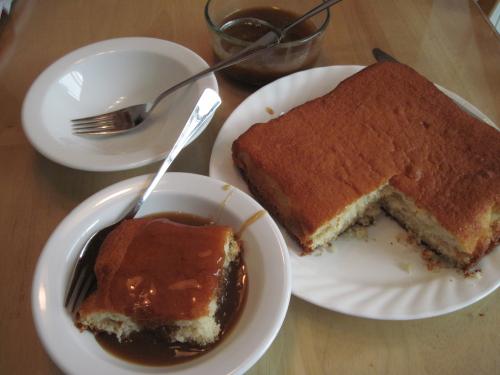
pixel 83 277
pixel 127 118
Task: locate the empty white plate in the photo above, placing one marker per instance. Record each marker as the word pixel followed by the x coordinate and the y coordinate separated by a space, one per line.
pixel 103 77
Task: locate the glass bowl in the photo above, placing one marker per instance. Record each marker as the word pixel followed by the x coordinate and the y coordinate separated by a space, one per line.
pixel 296 52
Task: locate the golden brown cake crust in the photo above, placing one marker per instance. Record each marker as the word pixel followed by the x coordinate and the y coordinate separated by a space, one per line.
pixel 384 124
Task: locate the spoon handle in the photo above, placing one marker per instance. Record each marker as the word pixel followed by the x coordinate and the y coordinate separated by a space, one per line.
pixel 205 107
pixel 312 12
pixel 268 40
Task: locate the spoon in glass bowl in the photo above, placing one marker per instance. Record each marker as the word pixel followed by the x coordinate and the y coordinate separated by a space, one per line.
pixel 124 119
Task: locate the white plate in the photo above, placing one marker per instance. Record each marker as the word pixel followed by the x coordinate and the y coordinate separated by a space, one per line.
pixel 361 278
pixel 103 77
pixel 266 257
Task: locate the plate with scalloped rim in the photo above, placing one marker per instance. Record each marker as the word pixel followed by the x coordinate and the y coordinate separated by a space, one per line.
pixel 380 276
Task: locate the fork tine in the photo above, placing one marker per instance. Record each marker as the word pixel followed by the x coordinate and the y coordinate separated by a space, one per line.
pixel 95 125
pixel 94 120
pixel 97 117
pixel 83 277
pixel 98 131
pixel 103 128
pixel 86 286
pixel 76 281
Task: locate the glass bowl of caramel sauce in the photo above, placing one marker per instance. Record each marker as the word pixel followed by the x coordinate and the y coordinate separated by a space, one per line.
pixel 297 51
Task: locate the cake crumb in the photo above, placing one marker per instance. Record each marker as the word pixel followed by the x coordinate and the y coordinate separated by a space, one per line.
pixel 358 232
pixel 407 267
pixel 331 249
pixel 226 187
pixel 407 238
pixel 431 260
pixel 270 110
pixel 475 274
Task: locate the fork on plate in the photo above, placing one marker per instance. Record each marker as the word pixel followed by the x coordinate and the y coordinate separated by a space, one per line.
pixel 127 118
pixel 124 119
pixel 83 278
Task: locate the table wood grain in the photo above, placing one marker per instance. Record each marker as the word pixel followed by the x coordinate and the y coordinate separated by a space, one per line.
pixel 449 41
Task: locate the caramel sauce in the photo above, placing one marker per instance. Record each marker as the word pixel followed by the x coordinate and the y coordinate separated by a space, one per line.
pixel 269 110
pixel 276 62
pixel 183 218
pixel 277 17
pixel 144 291
pixel 252 219
pixel 152 295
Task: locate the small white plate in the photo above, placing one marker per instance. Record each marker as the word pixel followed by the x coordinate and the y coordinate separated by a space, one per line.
pixel 362 278
pixel 103 77
pixel 265 254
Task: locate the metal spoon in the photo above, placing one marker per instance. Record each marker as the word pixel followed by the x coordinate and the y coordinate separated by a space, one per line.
pixel 132 116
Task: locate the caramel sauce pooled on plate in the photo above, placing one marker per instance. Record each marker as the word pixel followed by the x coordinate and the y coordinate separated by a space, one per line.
pixel 186 295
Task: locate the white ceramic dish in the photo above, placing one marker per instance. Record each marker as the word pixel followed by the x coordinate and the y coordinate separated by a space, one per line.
pixel 265 255
pixel 103 77
pixel 362 278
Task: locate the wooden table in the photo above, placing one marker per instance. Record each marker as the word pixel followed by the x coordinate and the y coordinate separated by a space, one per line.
pixel 449 41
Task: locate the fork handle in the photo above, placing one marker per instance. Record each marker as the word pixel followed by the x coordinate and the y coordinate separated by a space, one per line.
pixel 205 107
pixel 267 41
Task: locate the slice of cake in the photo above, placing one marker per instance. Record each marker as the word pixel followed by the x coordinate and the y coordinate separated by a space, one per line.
pixel 153 273
pixel 384 137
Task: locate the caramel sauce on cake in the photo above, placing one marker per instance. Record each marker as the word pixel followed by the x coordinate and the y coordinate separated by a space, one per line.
pixel 150 347
pixel 144 291
pixel 141 289
pixel 159 274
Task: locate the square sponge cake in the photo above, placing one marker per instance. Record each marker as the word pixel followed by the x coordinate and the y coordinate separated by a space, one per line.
pixel 153 273
pixel 385 137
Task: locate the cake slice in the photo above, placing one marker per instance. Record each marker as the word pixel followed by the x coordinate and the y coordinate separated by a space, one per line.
pixel 385 137
pixel 156 274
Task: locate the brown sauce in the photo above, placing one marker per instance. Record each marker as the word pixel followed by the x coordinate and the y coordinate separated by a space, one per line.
pixel 252 219
pixel 276 62
pixel 151 347
pixel 183 218
pixel 277 17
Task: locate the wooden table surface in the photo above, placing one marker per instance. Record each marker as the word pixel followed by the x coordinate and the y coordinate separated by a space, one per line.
pixel 449 41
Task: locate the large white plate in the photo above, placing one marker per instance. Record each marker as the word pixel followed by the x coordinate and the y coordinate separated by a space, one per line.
pixel 362 278
pixel 103 77
pixel 265 255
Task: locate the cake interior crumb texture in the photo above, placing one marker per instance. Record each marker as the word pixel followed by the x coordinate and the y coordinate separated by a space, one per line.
pixel 174 283
pixel 385 137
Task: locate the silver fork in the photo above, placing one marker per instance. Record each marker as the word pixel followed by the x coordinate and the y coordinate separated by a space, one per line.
pixel 127 118
pixel 83 277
